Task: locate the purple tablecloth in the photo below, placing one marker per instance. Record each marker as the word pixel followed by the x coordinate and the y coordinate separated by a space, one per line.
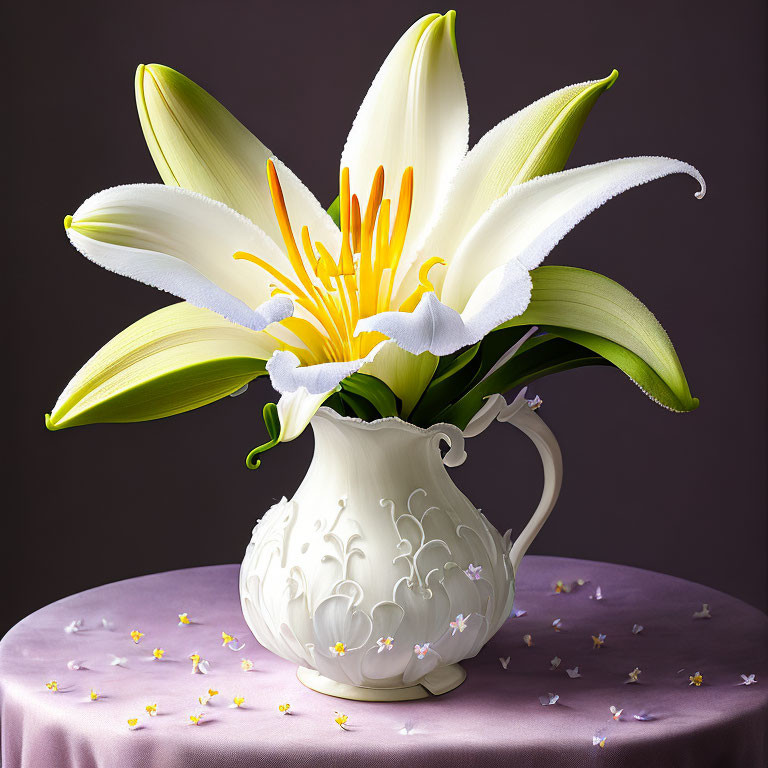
pixel 493 719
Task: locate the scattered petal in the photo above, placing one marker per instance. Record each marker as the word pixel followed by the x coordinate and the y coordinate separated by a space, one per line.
pixel 563 587
pixel 231 642
pixel 459 624
pixel 107 624
pixel 132 722
pixel 644 716
pixel 637 629
pixel 633 676
pixel 93 695
pixel 616 712
pixel 549 699
pixel 473 572
pixel 573 673
pixel 339 649
pixel 136 635
pixel 528 640
pixel 52 686
pixel 598 594
pixel 158 653
pixel 421 650
pixel 118 661
pixel 74 626
pixel 696 679
pixel 504 661
pixel 199 664
pixel 535 404
pixel 517 614
pixel 407 729
pixel 751 680
pixel 703 613
pixel 73 665
pixel 557 625
pixel 151 709
pixel 284 709
pixel 195 719
pixel 598 741
pixel 205 698
pixel 183 619
pixel 555 663
pixel 238 701
pixel 385 643
pixel 598 641
pixel 246 665
pixel 341 720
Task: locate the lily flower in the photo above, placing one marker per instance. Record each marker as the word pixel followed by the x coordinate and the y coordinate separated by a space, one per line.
pixel 432 251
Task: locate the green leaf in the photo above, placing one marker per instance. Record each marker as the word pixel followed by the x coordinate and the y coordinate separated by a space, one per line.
pixel 463 372
pixel 334 211
pixel 173 360
pixel 374 391
pixel 601 315
pixel 546 356
pixel 360 406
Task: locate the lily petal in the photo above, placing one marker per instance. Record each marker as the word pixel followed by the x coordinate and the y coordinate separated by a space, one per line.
pixel 296 410
pixel 183 243
pixel 414 114
pixel 198 144
pixel 287 374
pixel 535 141
pixel 407 375
pixel 527 223
pixel 173 360
pixel 441 330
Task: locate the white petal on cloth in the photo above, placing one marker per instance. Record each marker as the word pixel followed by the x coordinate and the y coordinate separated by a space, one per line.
pixel 527 223
pixel 433 326
pixel 414 114
pixel 510 153
pixel 199 145
pixel 183 243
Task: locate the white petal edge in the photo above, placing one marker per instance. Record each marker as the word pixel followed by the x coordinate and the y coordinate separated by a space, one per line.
pixel 414 114
pixel 486 173
pixel 527 223
pixel 441 330
pixel 183 243
pixel 287 374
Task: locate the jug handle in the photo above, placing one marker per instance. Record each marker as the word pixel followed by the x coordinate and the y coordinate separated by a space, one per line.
pixel 520 414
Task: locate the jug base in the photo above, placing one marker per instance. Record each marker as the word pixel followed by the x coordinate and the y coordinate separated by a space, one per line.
pixel 437 682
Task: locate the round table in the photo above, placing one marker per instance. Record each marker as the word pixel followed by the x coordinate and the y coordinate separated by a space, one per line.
pixel 496 718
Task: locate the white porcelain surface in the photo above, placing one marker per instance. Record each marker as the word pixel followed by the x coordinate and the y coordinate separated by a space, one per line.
pixel 375 544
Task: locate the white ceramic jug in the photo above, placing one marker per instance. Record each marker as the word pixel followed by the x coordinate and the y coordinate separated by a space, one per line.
pixel 379 575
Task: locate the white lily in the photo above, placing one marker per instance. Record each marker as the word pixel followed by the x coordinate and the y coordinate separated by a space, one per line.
pixel 316 301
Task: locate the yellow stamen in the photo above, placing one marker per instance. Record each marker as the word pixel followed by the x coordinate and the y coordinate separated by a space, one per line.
pixel 400 228
pixel 424 285
pixel 355 224
pixel 337 293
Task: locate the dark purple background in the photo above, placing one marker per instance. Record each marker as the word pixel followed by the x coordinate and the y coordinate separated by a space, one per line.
pixel 683 494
